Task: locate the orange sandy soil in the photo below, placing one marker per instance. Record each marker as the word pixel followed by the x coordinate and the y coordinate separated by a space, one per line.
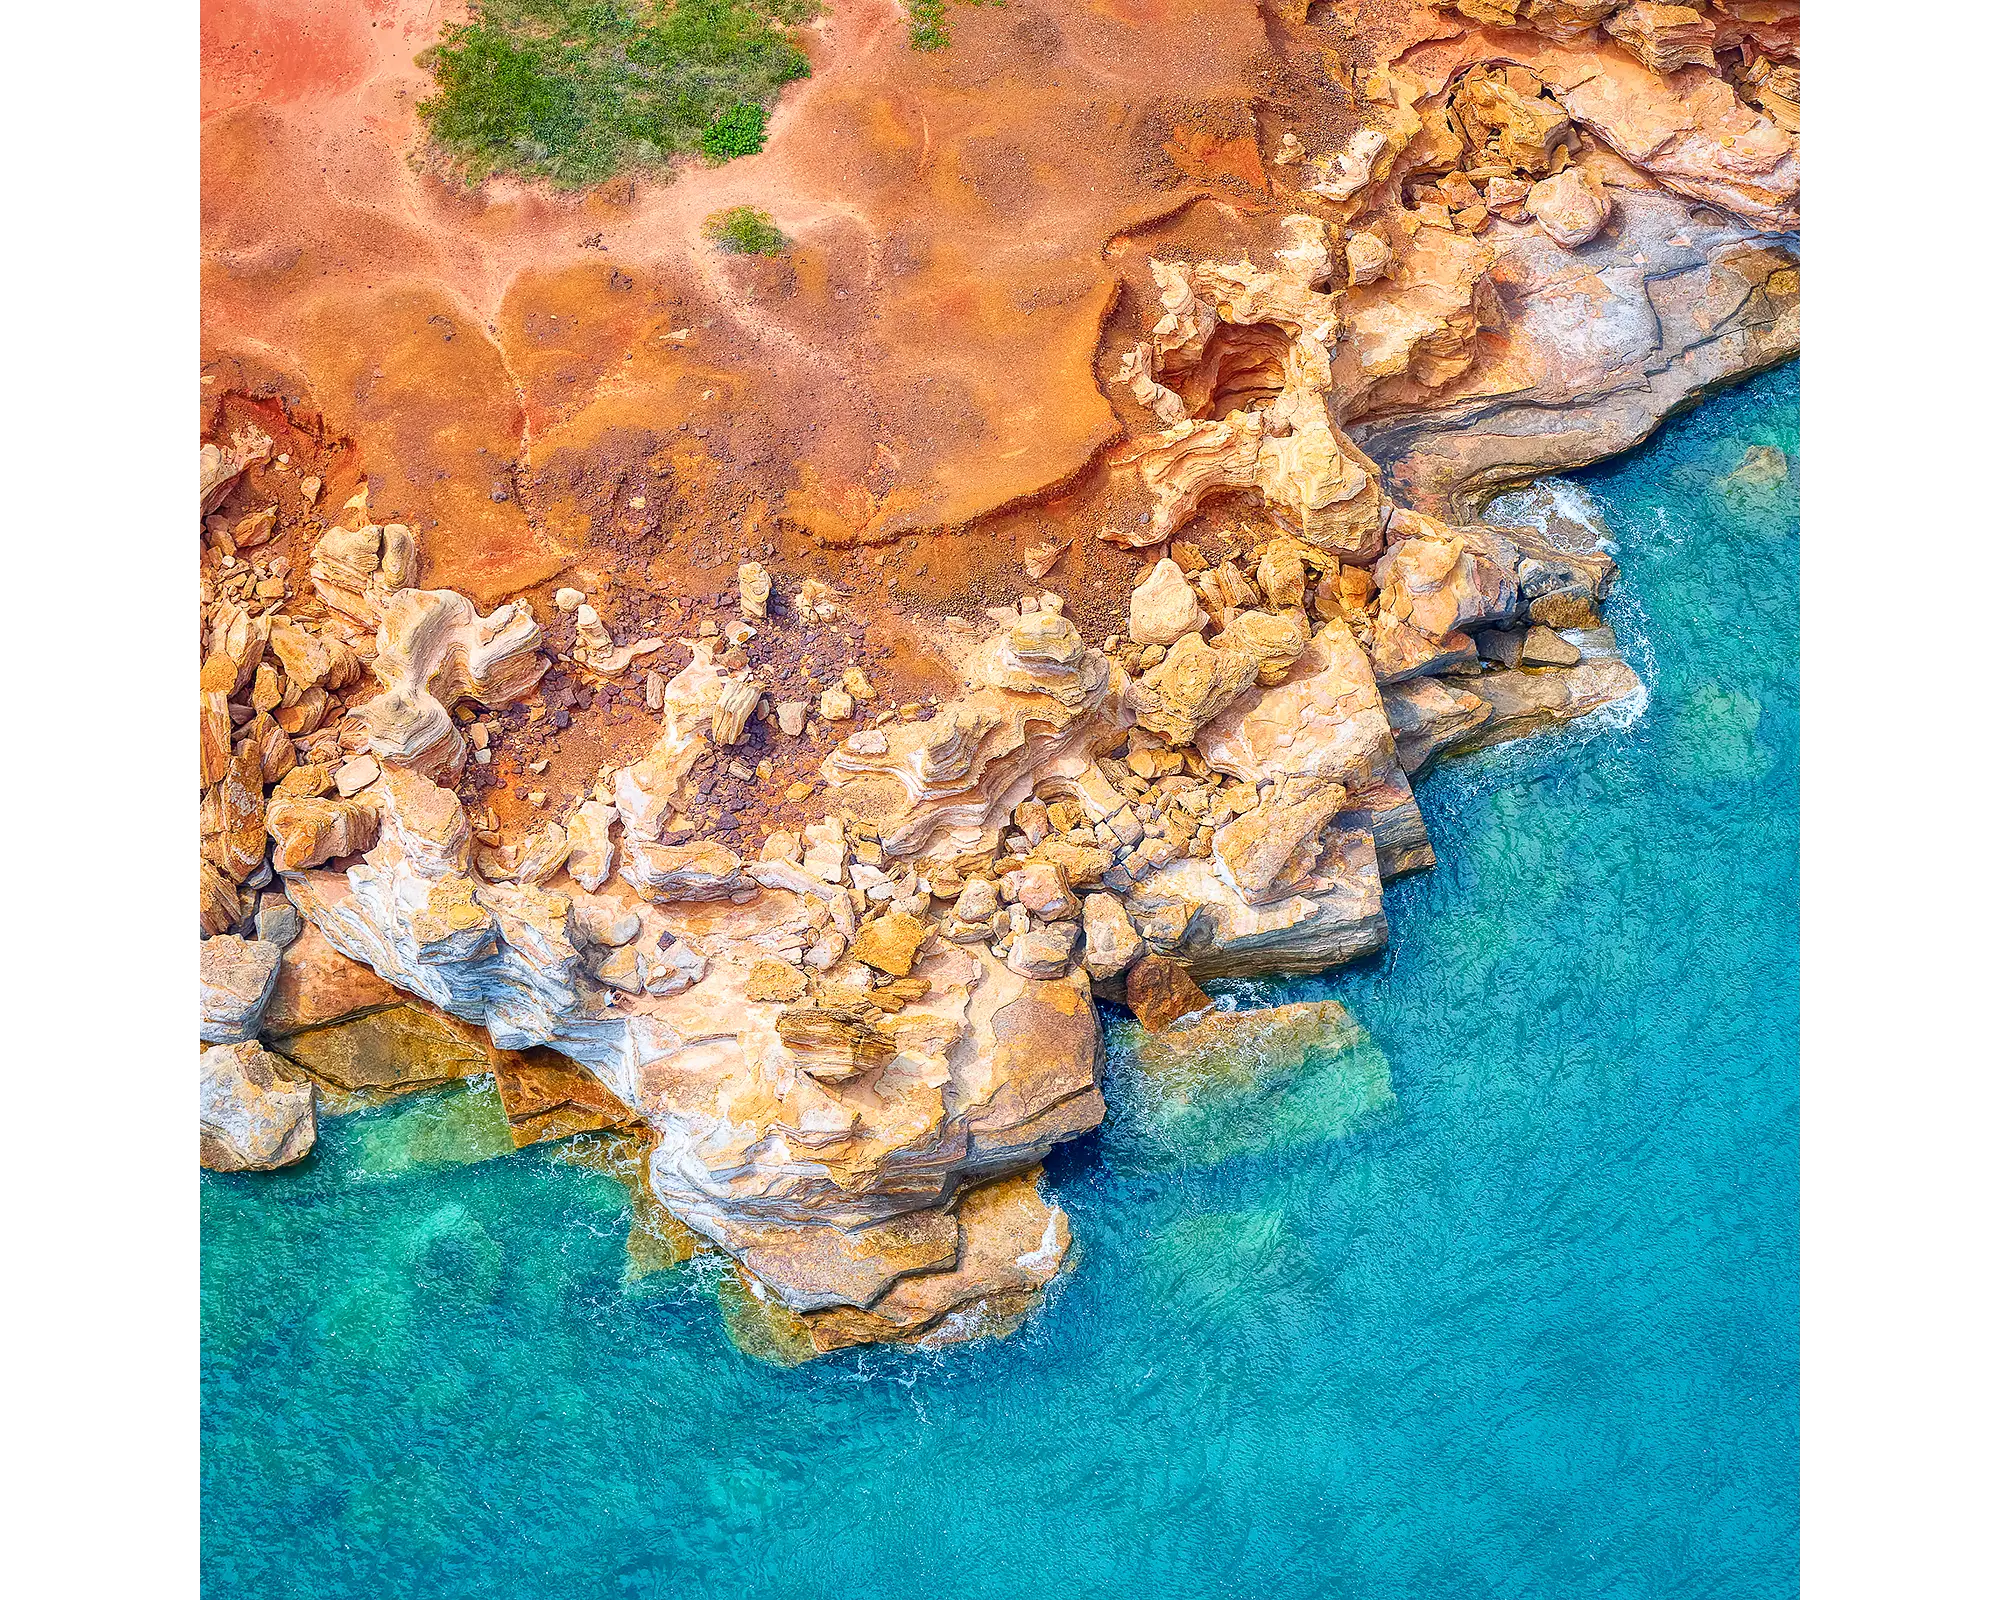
pixel 576 388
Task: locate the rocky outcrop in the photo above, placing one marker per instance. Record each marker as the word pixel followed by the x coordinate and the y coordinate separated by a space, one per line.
pixel 847 1047
pixel 958 1070
pixel 432 651
pixel 1206 353
pixel 1518 140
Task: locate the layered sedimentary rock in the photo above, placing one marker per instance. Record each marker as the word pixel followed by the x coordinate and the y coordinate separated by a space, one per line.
pixel 432 651
pixel 256 1113
pixel 833 1055
pixel 1611 209
pixel 849 1044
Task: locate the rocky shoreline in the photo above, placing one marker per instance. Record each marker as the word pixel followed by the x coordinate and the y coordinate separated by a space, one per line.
pixel 847 1005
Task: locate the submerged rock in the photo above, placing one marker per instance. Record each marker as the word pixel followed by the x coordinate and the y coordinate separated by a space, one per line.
pixel 1235 1081
pixel 400 1047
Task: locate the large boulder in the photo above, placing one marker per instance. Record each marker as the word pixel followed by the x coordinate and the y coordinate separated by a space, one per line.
pixel 237 977
pixel 1572 207
pixel 256 1114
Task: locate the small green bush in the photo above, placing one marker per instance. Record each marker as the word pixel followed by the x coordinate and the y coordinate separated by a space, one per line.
pixel 743 231
pixel 737 132
pixel 577 90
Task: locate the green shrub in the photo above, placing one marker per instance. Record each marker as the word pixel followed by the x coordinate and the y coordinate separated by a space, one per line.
pixel 576 90
pixel 737 132
pixel 743 231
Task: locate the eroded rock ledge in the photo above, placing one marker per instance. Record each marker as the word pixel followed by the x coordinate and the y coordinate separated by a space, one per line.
pixel 848 1046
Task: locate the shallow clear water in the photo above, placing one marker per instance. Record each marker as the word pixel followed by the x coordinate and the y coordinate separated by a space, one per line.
pixel 1513 1313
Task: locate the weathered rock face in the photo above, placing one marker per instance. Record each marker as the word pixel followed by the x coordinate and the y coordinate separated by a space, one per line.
pixel 432 651
pixel 1521 139
pixel 847 1050
pixel 1286 446
pixel 237 977
pixel 255 1114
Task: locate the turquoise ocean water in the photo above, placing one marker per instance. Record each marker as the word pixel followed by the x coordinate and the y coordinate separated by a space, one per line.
pixel 1502 1302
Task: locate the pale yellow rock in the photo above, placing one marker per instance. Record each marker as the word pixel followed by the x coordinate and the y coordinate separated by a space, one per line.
pixel 256 1114
pixel 1368 257
pixel 596 649
pixel 774 980
pixel 1572 207
pixel 889 943
pixel 1194 683
pixel 1164 607
pixel 591 852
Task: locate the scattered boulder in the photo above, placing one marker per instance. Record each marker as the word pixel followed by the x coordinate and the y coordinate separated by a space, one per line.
pixel 256 1116
pixel 1270 852
pixel 307 832
pixel 1565 608
pixel 1368 257
pixel 1544 647
pixel 596 649
pixel 1043 951
pixel 1572 207
pixel 889 943
pixel 668 872
pixel 591 852
pixel 1110 943
pixel 1161 992
pixel 278 921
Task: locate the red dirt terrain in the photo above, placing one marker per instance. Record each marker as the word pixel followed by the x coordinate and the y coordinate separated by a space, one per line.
pixel 578 388
pixel 516 366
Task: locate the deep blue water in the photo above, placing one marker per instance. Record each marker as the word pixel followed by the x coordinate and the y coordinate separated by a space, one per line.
pixel 1511 1312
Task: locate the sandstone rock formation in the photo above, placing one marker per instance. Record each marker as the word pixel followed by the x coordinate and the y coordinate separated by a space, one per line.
pixel 1680 122
pixel 848 1042
pixel 255 1114
pixel 237 977
pixel 433 650
pixel 829 1052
